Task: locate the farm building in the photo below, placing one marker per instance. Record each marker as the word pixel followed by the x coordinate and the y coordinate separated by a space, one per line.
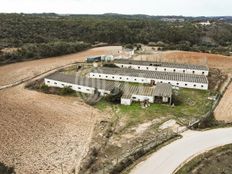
pixel 80 84
pixel 130 93
pixel 151 77
pixel 102 58
pixel 160 93
pixel 162 66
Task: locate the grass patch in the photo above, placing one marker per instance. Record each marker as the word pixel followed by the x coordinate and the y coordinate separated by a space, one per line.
pixel 189 104
pixel 213 162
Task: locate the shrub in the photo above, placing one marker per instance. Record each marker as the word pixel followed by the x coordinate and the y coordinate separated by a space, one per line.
pixel 5 169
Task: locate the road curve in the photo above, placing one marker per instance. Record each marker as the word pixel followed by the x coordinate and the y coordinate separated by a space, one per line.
pixel 170 157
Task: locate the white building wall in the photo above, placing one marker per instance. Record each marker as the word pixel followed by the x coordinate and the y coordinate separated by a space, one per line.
pixel 163 69
pixel 142 98
pixel 78 88
pixel 125 101
pixel 116 77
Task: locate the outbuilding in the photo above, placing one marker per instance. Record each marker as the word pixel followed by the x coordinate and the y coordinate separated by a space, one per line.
pixel 162 66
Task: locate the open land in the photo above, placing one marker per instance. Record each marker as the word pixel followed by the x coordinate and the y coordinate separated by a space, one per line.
pixel 43 133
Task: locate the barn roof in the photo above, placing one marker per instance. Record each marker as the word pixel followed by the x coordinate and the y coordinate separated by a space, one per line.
pixel 82 81
pixel 162 64
pixel 153 74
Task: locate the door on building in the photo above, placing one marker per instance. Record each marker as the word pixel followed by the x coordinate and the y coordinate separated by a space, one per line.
pixel 153 82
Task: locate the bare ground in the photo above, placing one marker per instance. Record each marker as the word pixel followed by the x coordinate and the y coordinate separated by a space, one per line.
pixel 42 133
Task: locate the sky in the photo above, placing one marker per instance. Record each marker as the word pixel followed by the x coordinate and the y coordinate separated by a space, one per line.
pixel 149 7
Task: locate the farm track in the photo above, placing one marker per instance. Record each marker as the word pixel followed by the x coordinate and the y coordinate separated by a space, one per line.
pixel 39 133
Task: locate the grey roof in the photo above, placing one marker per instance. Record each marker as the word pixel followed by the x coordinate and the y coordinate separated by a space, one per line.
pixel 160 90
pixel 162 64
pixel 153 74
pixel 129 90
pixel 163 89
pixel 82 81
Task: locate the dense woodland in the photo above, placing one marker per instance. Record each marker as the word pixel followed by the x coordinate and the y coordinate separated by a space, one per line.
pixel 45 35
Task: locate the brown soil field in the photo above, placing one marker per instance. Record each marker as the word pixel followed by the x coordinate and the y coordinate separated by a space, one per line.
pixel 15 72
pixel 223 111
pixel 42 133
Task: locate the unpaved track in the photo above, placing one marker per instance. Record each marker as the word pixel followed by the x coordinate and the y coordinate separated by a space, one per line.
pixel 169 158
pixel 39 133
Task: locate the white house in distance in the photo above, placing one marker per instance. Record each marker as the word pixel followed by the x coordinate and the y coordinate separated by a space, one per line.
pixel 151 77
pixel 130 93
pixel 162 66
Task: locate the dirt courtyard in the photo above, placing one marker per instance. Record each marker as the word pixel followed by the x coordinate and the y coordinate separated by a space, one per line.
pixel 42 133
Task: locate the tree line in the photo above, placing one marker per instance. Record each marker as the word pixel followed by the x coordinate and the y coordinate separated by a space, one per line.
pixel 43 35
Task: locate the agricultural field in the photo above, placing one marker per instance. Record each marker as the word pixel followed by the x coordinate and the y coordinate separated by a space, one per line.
pixel 43 133
pixel 213 162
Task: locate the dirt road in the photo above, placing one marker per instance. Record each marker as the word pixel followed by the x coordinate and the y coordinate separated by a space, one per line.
pixel 169 158
pixel 42 133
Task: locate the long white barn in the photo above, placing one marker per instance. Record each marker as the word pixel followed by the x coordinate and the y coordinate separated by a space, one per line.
pixel 90 86
pixel 151 77
pixel 162 66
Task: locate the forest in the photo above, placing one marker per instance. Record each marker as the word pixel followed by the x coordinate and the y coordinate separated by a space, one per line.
pixel 29 36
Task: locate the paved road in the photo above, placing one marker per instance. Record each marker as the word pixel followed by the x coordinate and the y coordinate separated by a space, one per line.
pixel 170 157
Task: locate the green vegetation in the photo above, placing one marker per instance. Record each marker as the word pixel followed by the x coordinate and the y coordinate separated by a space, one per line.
pixel 5 169
pixel 213 162
pixel 189 104
pixel 45 35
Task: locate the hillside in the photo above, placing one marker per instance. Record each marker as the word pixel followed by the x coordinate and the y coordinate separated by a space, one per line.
pixel 47 35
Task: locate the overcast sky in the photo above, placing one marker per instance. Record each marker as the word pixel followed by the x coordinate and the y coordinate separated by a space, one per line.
pixel 150 7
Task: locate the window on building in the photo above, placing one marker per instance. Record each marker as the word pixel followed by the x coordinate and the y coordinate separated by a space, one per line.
pixel 135 79
pixel 127 78
pixel 120 77
pixel 193 72
pixel 156 69
pixel 183 71
pixel 161 81
pixel 138 67
pixel 177 83
pixel 122 66
pixel 106 76
pixel 87 89
pixel 134 97
pixel 62 84
pixel 174 70
pixel 194 85
pixel 147 68
pixel 169 82
pixel 93 75
pixel 165 69
pixel 203 72
pixel 48 81
pixel 79 87
pixel 55 83
pixel 186 84
pixel 113 77
pixel 202 86
pixel 99 75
